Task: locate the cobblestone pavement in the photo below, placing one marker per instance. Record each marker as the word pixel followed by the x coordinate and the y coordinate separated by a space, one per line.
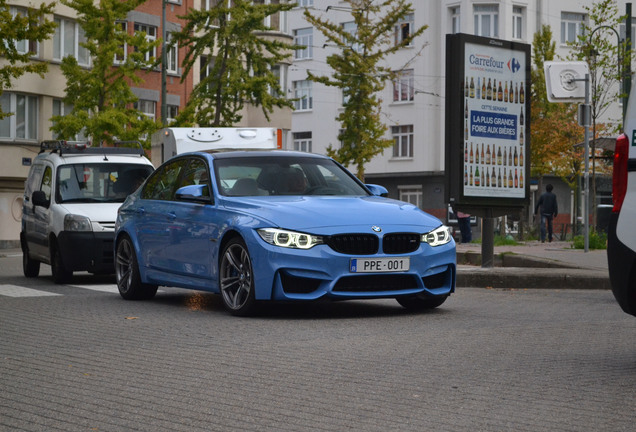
pixel 488 360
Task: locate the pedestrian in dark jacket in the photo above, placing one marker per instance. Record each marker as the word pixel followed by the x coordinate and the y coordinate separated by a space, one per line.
pixel 549 209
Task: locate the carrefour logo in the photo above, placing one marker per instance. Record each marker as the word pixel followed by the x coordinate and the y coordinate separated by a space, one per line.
pixel 485 61
pixel 514 65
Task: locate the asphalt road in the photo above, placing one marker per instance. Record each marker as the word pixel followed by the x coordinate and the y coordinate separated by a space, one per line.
pixel 79 358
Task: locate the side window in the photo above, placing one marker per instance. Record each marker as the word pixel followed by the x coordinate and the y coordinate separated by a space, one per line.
pixel 34 179
pixel 47 179
pixel 162 184
pixel 196 173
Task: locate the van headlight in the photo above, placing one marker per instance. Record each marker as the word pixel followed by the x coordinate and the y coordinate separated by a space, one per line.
pixel 439 236
pixel 289 239
pixel 77 223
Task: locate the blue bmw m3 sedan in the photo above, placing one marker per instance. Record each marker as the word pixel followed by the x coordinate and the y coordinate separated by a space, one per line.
pixel 258 226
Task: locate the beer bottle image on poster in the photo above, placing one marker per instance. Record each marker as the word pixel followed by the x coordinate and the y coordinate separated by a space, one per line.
pixel 493 110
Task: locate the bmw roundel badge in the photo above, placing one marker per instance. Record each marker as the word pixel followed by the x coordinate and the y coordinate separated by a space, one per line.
pixel 376 228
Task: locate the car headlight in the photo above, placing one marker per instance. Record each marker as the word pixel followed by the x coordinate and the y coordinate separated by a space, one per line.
pixel 439 236
pixel 289 239
pixel 77 223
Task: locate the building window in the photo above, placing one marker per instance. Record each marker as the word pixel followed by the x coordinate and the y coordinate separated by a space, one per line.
pixel 172 55
pixel 23 46
pixel 305 3
pixel 67 41
pixel 23 123
pixel 305 38
pixel 403 141
pixel 151 36
pixel 517 22
pixel 172 112
pixel 304 95
pixel 572 26
pixel 205 69
pixel 61 109
pixel 210 4
pixel 5 123
pixel 280 72
pixel 487 20
pixel 404 28
pixel 302 141
pixel 411 195
pixel 455 22
pixel 346 97
pixel 147 107
pixel 403 90
pixel 352 29
pixel 121 56
pixel 276 21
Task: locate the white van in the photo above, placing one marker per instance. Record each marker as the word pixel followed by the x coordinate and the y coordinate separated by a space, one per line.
pixel 621 235
pixel 71 198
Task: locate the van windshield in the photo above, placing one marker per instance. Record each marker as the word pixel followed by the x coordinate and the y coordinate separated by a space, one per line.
pixel 99 182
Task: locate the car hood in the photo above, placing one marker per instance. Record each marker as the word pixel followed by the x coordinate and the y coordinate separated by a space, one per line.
pixel 324 214
pixel 96 212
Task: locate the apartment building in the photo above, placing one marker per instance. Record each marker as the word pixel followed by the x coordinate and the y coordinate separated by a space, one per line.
pixel 412 170
pixel 35 100
pixel 413 107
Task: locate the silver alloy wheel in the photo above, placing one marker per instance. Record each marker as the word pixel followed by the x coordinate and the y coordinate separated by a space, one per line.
pixel 124 265
pixel 236 277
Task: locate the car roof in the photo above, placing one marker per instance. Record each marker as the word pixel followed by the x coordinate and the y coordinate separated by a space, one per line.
pixel 56 159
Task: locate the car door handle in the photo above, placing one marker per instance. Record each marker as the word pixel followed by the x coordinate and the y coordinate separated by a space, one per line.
pixel 141 211
pixel 171 216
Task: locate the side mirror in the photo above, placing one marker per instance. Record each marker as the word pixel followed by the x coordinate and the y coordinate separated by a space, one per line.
pixel 194 193
pixel 377 190
pixel 39 199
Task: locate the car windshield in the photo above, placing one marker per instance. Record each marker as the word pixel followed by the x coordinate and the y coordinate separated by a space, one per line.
pixel 278 175
pixel 106 182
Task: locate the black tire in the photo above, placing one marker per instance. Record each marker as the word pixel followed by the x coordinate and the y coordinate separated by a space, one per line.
pixel 127 273
pixel 60 274
pixel 30 267
pixel 236 280
pixel 421 302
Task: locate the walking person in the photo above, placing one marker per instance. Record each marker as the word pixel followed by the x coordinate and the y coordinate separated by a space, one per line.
pixel 463 220
pixel 549 209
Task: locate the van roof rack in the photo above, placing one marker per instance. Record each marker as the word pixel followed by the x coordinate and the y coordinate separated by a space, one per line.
pixel 84 147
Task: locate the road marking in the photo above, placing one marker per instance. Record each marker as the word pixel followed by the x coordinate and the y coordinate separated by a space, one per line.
pixel 19 291
pixel 109 288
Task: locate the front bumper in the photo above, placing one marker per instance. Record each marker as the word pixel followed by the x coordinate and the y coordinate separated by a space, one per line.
pixel 87 251
pixel 293 274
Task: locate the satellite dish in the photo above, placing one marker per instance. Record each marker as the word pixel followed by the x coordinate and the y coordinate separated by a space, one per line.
pixel 565 81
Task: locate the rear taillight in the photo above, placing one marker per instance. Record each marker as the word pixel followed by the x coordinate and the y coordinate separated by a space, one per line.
pixel 619 178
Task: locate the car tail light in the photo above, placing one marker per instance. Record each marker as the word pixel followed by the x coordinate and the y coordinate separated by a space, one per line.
pixel 619 177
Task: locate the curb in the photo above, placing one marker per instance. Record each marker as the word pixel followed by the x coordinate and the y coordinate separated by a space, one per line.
pixel 524 277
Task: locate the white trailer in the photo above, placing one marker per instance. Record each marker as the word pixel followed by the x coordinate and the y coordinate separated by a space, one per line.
pixel 169 142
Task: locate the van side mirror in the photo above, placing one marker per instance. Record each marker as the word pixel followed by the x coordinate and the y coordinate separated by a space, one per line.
pixel 39 199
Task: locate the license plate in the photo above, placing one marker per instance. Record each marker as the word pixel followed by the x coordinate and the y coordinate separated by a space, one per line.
pixel 379 265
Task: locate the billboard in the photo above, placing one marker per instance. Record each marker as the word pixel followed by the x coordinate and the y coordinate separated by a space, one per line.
pixel 487 124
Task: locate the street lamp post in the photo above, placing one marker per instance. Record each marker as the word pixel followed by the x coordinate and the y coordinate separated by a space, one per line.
pixel 625 87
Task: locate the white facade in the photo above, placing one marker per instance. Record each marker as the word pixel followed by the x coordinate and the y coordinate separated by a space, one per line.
pixel 416 175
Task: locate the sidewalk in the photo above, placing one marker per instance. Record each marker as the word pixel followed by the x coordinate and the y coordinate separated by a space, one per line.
pixel 530 265
pixel 533 265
